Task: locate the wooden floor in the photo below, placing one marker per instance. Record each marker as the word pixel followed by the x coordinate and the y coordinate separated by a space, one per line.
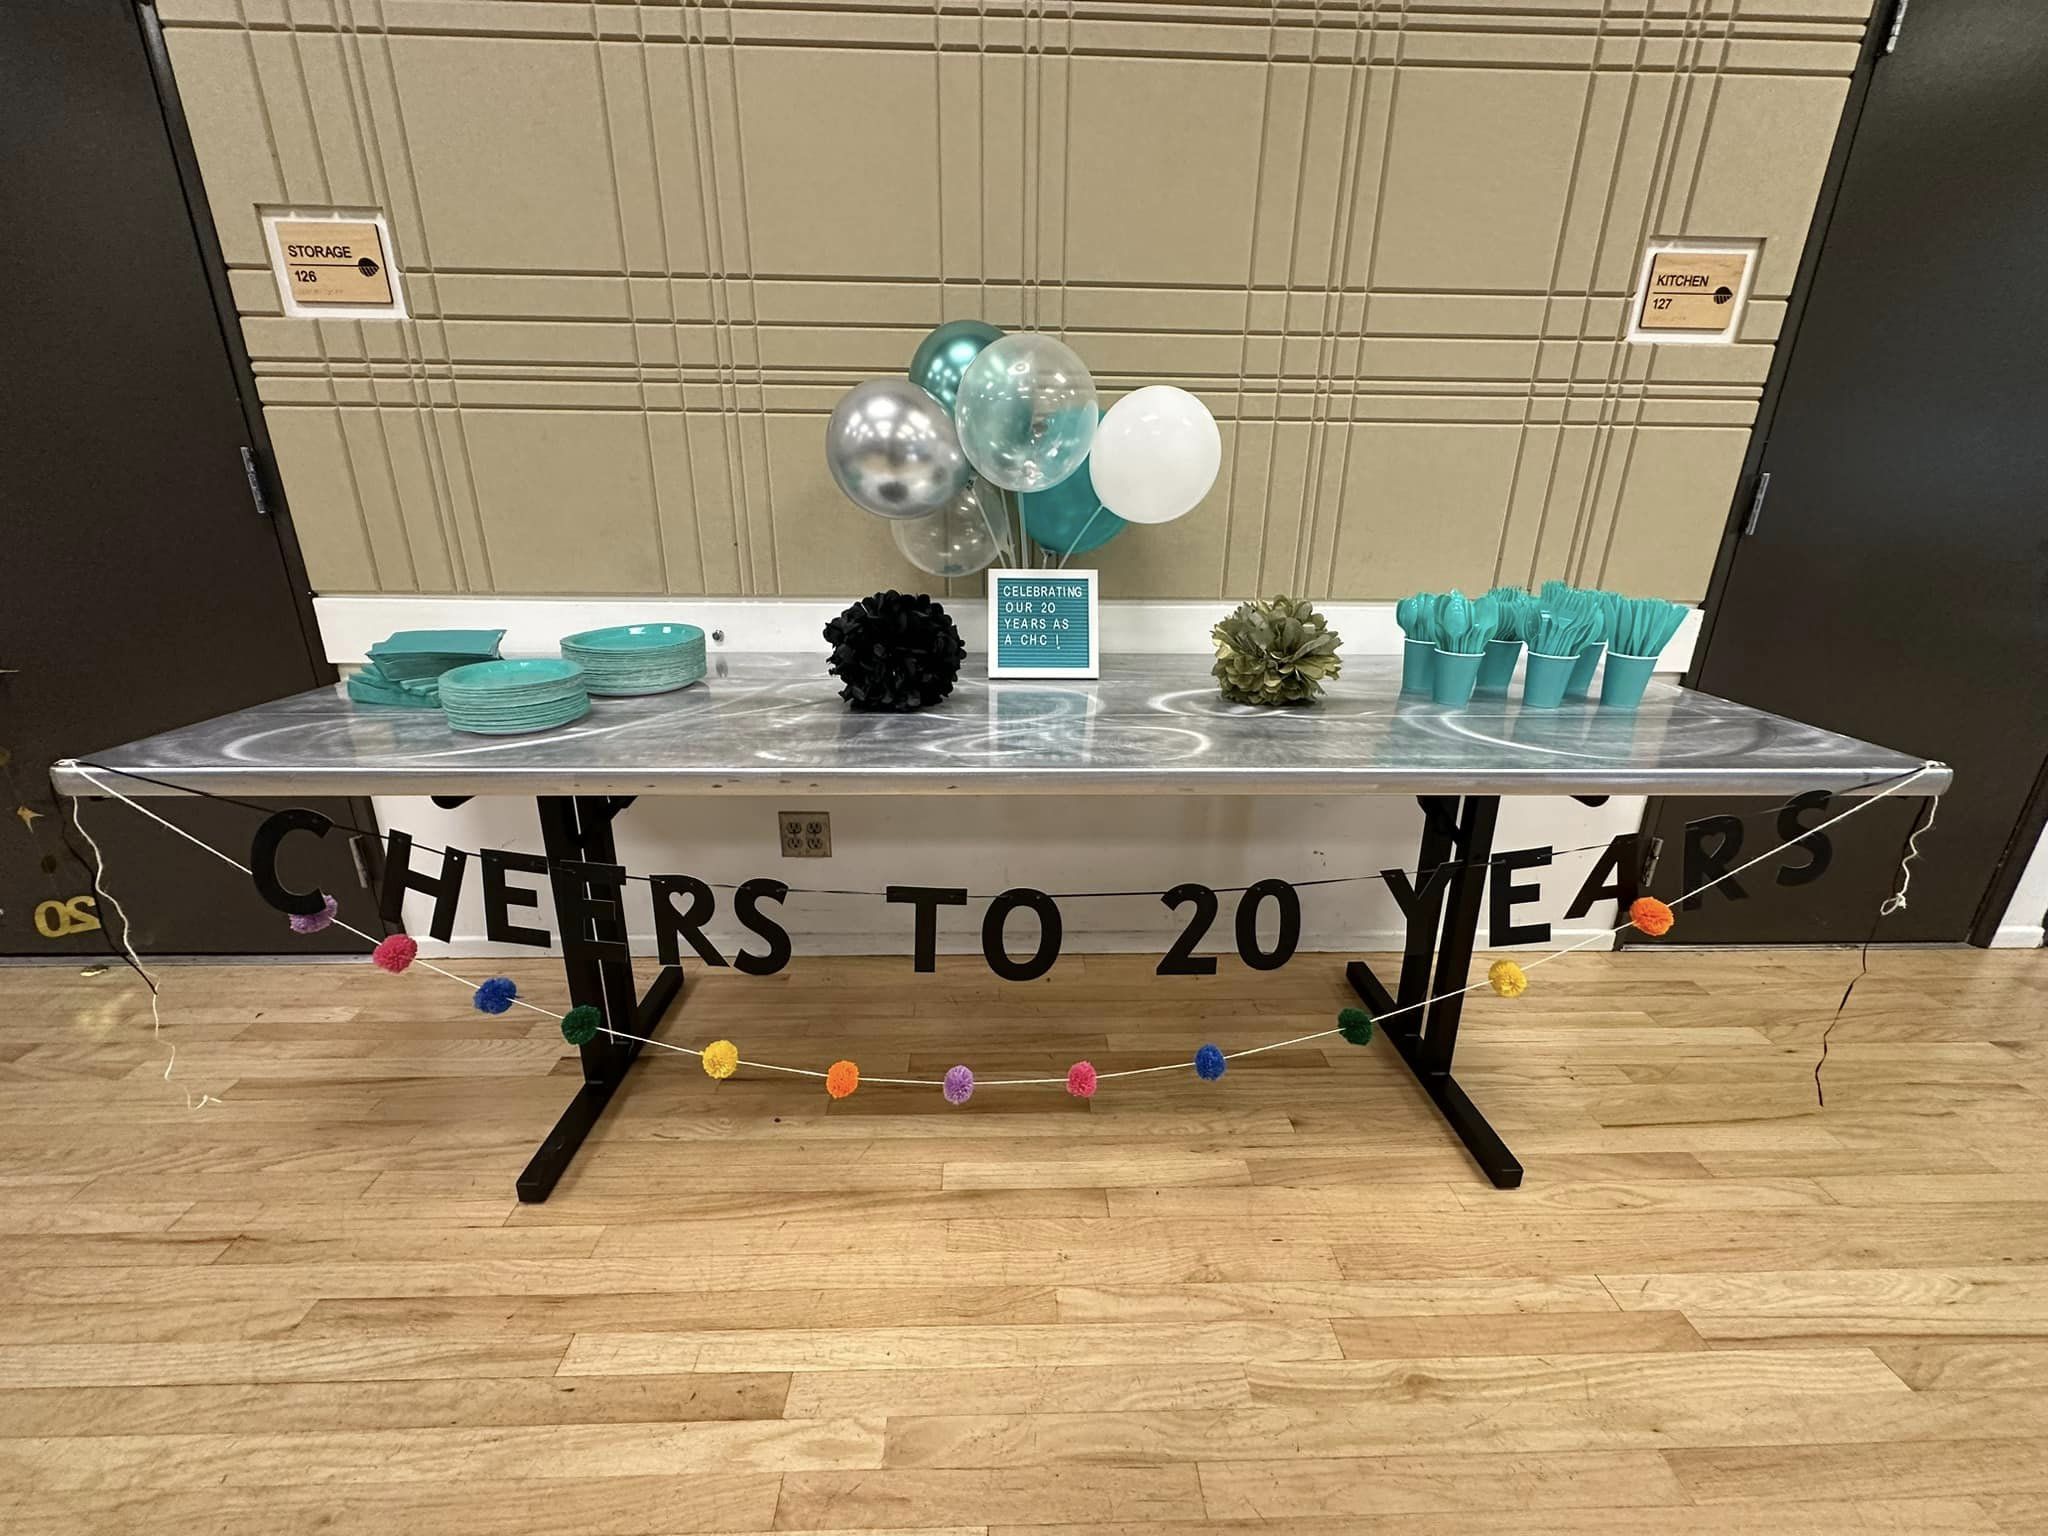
pixel 1282 1302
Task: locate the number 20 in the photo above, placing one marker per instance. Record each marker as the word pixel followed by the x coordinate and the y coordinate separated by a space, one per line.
pixel 1181 960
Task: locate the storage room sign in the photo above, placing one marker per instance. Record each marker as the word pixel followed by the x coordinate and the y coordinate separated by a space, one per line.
pixel 334 267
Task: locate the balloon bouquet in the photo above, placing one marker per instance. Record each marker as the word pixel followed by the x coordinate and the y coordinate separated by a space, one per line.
pixel 983 413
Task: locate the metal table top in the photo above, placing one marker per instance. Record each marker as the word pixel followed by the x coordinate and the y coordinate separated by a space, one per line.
pixel 1152 725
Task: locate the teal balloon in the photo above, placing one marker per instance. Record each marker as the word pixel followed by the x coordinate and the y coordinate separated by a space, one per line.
pixel 944 355
pixel 1070 519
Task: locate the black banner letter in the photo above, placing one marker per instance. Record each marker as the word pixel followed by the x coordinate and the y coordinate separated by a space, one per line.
pixel 500 898
pixel 1821 851
pixel 263 860
pixel 747 903
pixel 400 877
pixel 926 899
pixel 669 924
pixel 1503 896
pixel 1049 933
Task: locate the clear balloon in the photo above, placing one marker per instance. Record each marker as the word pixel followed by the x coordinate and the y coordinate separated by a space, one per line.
pixel 1156 455
pixel 891 447
pixel 1026 412
pixel 957 540
pixel 943 356
pixel 1070 519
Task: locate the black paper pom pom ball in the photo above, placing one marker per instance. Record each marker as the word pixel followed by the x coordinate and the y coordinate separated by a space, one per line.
pixel 895 652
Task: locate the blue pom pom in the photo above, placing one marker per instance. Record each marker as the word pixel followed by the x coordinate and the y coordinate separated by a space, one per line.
pixel 495 995
pixel 1209 1063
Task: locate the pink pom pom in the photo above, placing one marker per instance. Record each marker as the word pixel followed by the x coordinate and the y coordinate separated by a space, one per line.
pixel 314 922
pixel 395 953
pixel 1081 1080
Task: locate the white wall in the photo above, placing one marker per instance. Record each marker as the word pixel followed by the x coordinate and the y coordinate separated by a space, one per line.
pixel 2025 915
pixel 986 843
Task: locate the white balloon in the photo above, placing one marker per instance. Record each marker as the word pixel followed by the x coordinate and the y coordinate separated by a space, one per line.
pixel 1156 454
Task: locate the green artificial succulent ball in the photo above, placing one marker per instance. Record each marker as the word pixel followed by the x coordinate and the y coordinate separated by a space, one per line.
pixel 1279 651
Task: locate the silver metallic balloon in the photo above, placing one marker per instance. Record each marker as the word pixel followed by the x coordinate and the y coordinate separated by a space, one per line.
pixel 891 447
pixel 958 540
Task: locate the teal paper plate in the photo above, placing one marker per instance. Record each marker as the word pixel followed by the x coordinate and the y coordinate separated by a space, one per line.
pixel 636 637
pixel 511 676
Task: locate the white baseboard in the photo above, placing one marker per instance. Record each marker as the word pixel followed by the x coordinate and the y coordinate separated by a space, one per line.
pixel 2019 936
pixel 535 625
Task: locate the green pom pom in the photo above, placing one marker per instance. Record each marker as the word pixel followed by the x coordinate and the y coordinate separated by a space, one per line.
pixel 582 1024
pixel 1355 1025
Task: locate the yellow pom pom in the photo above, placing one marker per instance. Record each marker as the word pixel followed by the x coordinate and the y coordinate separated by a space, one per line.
pixel 1507 978
pixel 721 1059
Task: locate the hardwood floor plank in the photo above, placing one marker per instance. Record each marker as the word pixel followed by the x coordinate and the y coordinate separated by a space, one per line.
pixel 920 1499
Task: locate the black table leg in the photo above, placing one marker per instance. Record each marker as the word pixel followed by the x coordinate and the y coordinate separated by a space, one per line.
pixel 1443 920
pixel 579 829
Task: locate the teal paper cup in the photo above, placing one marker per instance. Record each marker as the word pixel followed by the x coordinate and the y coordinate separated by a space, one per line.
pixel 1417 657
pixel 1621 686
pixel 1543 680
pixel 1451 677
pixel 1497 666
pixel 1581 685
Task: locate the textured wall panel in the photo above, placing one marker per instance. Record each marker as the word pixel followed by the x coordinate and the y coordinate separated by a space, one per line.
pixel 648 245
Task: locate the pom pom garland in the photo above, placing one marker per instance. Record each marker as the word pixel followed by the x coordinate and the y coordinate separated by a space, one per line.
pixel 313 922
pixel 1355 1025
pixel 496 995
pixel 1507 978
pixel 1209 1063
pixel 581 1023
pixel 396 952
pixel 721 1059
pixel 1651 916
pixel 959 1086
pixel 1081 1080
pixel 895 652
pixel 842 1079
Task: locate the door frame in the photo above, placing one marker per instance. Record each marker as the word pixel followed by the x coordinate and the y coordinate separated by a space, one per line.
pixel 2020 845
pixel 213 261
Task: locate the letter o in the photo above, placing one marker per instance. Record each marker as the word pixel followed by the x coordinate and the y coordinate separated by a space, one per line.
pixel 1049 933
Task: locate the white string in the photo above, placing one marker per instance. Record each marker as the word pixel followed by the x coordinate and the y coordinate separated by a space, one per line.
pixel 1861 804
pixel 1897 900
pixel 156 1017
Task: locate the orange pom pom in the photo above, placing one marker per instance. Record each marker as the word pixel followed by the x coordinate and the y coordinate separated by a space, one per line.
pixel 842 1079
pixel 1651 915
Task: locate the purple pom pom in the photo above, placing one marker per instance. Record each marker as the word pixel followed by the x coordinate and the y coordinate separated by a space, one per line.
pixel 496 995
pixel 313 922
pixel 959 1086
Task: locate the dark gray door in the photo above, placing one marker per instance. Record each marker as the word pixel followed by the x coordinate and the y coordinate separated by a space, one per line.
pixel 143 588
pixel 1895 584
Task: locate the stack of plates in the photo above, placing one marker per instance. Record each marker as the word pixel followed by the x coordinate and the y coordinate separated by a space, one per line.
pixel 637 658
pixel 504 698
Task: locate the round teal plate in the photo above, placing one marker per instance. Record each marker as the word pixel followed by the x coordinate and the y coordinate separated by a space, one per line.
pixel 636 637
pixel 523 673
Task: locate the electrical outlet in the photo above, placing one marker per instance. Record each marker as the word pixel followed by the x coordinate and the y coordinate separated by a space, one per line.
pixel 805 834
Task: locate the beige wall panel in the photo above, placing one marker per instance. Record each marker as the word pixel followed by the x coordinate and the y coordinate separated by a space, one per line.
pixel 839 152
pixel 1479 163
pixel 567 500
pixel 1651 113
pixel 1674 506
pixel 319 483
pixel 508 149
pixel 1165 170
pixel 824 543
pixel 224 106
pixel 1765 154
pixel 1423 508
pixel 645 266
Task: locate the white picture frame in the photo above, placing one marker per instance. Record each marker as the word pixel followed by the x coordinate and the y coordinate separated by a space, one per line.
pixel 1012 650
